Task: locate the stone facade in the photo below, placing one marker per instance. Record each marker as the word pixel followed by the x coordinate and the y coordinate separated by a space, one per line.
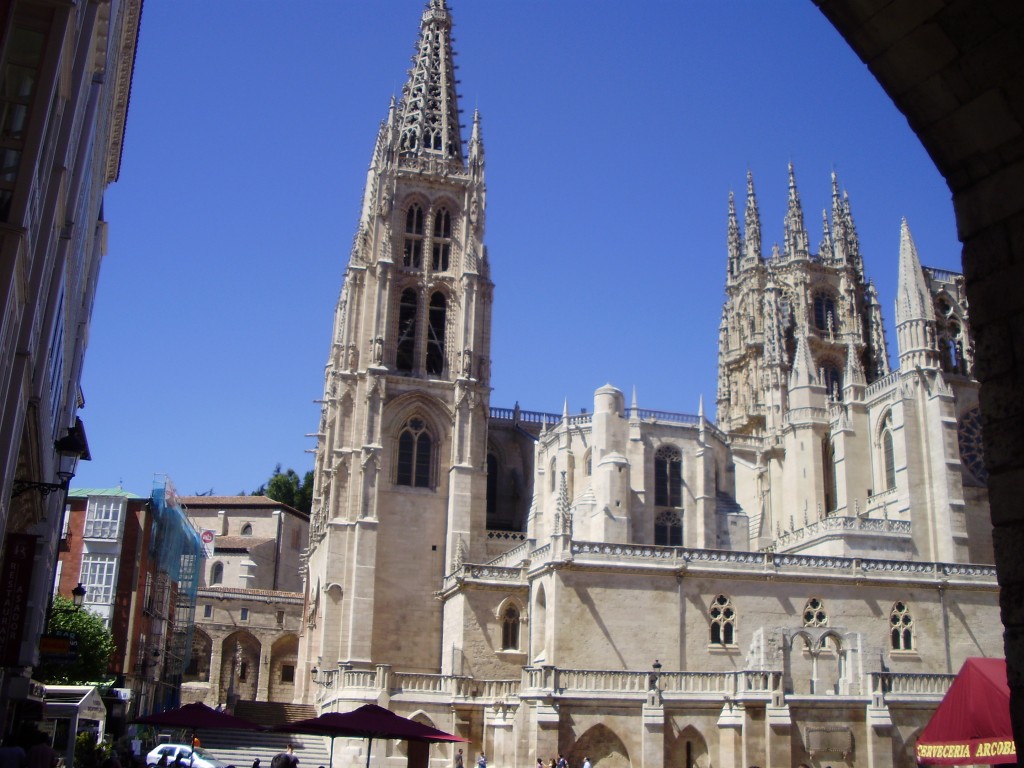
pixel 249 604
pixel 794 583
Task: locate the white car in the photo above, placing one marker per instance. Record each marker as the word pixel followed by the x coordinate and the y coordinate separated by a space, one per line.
pixel 201 758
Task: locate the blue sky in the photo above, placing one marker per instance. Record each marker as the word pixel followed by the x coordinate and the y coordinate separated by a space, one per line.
pixel 614 133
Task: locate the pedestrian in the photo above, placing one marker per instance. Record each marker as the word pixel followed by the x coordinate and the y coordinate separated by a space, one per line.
pixel 540 763
pixel 481 762
pixel 11 754
pixel 459 759
pixel 41 754
pixel 256 763
pixel 586 763
pixel 562 762
pixel 286 759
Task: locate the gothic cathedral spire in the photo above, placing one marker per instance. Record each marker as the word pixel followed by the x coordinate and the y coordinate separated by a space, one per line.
pixel 400 455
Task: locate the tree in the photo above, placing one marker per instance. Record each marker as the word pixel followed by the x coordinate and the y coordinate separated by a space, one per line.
pixel 287 488
pixel 95 646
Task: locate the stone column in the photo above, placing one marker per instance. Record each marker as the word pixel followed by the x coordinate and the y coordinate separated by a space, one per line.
pixel 653 735
pixel 215 695
pixel 263 679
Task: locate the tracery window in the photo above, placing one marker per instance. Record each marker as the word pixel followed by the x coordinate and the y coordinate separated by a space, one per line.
pixel 442 247
pixel 412 249
pixel 723 621
pixel 668 529
pixel 668 477
pixel 408 309
pixel 901 625
pixel 888 453
pixel 832 380
pixel 825 313
pixel 815 614
pixel 414 454
pixel 510 629
pixel 437 321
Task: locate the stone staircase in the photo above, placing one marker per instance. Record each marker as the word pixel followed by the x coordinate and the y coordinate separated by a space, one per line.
pixel 241 748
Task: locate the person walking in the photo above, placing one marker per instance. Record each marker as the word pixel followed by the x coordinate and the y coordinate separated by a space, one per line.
pixel 586 763
pixel 459 759
pixel 481 762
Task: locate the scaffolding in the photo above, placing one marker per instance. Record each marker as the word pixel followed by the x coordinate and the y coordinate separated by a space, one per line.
pixel 176 550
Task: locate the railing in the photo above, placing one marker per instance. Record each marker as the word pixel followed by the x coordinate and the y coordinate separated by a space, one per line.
pixel 880 384
pixel 899 684
pixel 647 414
pixel 588 682
pixel 841 523
pixel 943 274
pixel 529 417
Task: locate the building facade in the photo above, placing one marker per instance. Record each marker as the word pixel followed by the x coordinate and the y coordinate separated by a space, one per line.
pixel 249 605
pixel 794 582
pixel 138 559
pixel 66 73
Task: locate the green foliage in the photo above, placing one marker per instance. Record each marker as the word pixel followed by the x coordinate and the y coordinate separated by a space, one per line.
pixel 288 488
pixel 95 646
pixel 89 754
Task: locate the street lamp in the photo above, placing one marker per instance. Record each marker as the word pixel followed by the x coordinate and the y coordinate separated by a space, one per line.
pixel 655 675
pixel 78 596
pixel 69 449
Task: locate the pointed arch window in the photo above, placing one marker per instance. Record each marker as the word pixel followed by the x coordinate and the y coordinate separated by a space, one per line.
pixel 901 626
pixel 247 529
pixel 825 313
pixel 832 380
pixel 668 529
pixel 510 629
pixel 415 455
pixel 436 324
pixel 442 247
pixel 668 477
pixel 217 573
pixel 723 621
pixel 412 249
pixel 408 309
pixel 588 463
pixel 888 453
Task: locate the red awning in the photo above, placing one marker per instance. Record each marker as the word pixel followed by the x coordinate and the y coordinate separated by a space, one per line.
pixel 972 724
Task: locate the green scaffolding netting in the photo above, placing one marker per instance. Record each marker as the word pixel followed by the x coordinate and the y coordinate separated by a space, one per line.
pixel 176 551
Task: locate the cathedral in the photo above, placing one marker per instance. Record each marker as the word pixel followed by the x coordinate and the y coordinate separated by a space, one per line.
pixel 795 581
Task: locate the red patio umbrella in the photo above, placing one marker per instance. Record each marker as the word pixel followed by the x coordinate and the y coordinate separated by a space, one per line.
pixel 972 724
pixel 368 722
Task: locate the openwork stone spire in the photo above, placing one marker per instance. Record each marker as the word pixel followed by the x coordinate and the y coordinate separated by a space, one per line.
pixel 752 224
pixel 797 244
pixel 735 242
pixel 429 122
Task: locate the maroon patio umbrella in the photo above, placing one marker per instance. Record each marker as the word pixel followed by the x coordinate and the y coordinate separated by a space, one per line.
pixel 195 716
pixel 368 722
pixel 198 716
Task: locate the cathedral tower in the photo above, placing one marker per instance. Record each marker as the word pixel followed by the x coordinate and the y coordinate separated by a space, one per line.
pixel 400 456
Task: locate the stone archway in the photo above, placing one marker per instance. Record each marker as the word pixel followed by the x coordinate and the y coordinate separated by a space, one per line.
pixel 688 750
pixel 953 69
pixel 284 659
pixel 198 669
pixel 240 666
pixel 603 746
